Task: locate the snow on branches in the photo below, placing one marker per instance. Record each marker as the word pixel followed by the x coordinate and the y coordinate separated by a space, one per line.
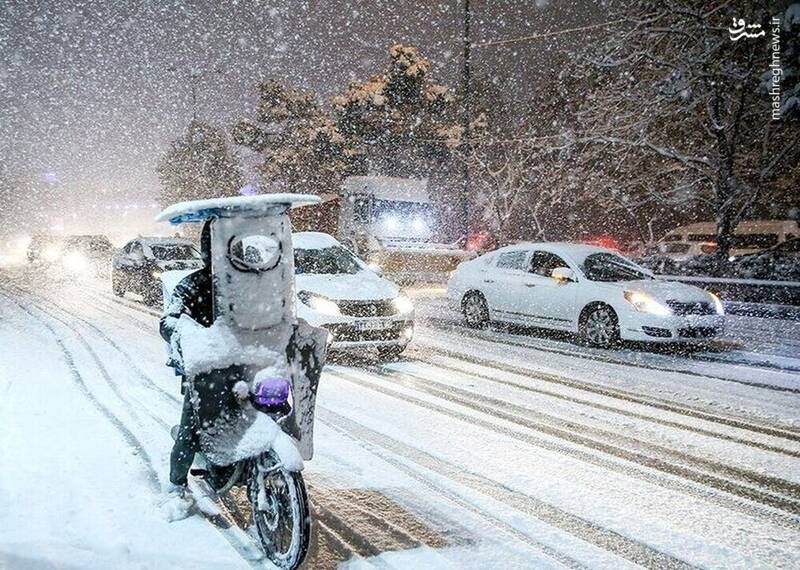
pixel 674 113
pixel 391 123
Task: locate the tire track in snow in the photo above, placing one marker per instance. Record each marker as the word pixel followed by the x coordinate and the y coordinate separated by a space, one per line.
pixel 399 454
pixel 149 382
pixel 782 432
pixel 731 491
pixel 597 405
pixel 127 434
pixel 571 430
pixel 243 545
pixel 471 333
pixel 346 536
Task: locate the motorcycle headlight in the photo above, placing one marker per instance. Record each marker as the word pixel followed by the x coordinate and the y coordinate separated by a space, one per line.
pixel 319 303
pixel 403 304
pixel 717 304
pixel 647 304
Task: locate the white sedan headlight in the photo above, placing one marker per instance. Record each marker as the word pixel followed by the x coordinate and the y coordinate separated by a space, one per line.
pixel 319 303
pixel 717 304
pixel 403 304
pixel 647 304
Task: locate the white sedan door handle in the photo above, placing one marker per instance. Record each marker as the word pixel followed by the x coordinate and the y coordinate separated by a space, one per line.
pixel 530 284
pixel 488 280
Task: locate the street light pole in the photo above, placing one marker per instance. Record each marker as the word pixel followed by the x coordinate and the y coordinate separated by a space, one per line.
pixel 193 80
pixel 194 77
pixel 465 118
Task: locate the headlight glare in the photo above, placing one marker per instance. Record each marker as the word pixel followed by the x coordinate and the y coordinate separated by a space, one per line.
pixel 319 303
pixel 646 304
pixel 51 253
pixel 75 262
pixel 717 304
pixel 403 304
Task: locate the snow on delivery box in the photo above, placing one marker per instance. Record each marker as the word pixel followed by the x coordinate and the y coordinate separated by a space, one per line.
pixel 389 222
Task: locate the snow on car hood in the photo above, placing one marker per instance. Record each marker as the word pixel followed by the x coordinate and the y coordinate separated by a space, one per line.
pixel 664 290
pixel 361 286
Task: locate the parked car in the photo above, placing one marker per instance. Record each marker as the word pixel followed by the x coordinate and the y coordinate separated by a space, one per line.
pixel 780 263
pixel 683 250
pixel 85 255
pixel 583 289
pixel 139 264
pixel 750 235
pixel 340 293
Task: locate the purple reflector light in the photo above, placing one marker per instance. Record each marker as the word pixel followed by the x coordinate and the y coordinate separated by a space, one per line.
pixel 272 392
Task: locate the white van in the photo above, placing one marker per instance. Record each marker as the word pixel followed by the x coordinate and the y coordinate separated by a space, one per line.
pixel 750 235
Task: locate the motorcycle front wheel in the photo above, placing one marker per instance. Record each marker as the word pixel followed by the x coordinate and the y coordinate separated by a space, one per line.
pixel 280 511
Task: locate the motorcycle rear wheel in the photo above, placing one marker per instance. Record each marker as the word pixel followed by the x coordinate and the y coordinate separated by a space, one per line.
pixel 280 511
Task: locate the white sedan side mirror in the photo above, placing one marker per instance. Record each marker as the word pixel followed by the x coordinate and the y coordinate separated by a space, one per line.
pixel 563 274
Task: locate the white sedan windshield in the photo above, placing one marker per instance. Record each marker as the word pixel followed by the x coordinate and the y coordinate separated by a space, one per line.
pixel 327 261
pixel 611 267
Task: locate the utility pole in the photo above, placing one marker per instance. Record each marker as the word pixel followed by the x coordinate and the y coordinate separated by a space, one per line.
pixel 194 77
pixel 466 115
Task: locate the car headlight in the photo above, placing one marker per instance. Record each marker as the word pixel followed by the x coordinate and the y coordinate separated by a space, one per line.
pixel 75 262
pixel 319 303
pixel 403 304
pixel 717 304
pixel 51 253
pixel 647 304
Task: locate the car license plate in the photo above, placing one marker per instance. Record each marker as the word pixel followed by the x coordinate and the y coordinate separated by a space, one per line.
pixel 371 325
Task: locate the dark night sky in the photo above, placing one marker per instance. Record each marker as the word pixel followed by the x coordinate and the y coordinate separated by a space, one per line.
pixel 88 102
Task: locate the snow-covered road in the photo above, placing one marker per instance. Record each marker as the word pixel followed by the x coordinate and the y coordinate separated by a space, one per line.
pixel 479 449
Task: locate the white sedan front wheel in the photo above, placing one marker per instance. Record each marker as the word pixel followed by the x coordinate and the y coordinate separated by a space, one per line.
pixel 600 327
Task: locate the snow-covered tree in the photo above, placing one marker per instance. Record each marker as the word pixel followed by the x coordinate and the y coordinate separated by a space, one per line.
pixel 399 120
pixel 301 146
pixel 199 164
pixel 673 112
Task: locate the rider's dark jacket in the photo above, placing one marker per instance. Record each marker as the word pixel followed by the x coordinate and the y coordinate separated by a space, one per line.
pixel 191 297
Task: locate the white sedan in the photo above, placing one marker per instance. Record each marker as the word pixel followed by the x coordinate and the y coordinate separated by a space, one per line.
pixel 583 289
pixel 340 293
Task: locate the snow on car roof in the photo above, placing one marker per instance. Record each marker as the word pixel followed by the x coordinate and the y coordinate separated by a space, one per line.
pixel 577 251
pixel 313 240
pixel 200 210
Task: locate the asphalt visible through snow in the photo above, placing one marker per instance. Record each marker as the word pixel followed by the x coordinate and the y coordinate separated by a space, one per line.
pixel 496 448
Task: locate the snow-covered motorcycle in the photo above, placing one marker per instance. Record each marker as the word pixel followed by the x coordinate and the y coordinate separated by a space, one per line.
pixel 253 373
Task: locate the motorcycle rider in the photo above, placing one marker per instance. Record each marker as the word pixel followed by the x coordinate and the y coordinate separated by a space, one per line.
pixel 192 297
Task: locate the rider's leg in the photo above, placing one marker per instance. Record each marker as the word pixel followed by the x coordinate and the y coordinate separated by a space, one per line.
pixel 186 444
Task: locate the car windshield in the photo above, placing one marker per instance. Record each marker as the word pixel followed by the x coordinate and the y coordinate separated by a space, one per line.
pixel 611 267
pixel 174 252
pixel 334 260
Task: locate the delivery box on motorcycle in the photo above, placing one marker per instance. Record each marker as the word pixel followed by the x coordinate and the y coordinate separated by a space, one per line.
pixel 256 341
